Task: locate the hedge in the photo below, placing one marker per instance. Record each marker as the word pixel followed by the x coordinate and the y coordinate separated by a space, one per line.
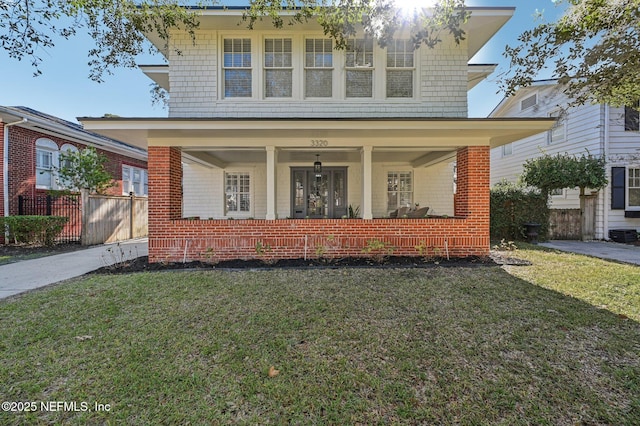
pixel 512 206
pixel 33 229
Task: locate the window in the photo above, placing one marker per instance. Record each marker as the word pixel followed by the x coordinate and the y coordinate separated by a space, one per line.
pixel 400 69
pixel 359 68
pixel 134 180
pixel 46 155
pixel 528 102
pixel 631 118
pixel 277 68
pixel 556 134
pixel 66 149
pixel 318 68
pixel 237 193
pixel 507 149
pixel 633 188
pixel 399 190
pixel 237 68
pixel 558 193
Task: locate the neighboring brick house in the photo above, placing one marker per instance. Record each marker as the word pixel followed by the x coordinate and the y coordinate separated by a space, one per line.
pixel 35 141
pixel 251 112
pixel 600 130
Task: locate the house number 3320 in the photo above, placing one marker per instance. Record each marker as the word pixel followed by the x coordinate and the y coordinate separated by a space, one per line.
pixel 319 143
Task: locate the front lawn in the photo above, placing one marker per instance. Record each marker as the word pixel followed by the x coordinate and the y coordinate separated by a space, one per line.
pixel 468 345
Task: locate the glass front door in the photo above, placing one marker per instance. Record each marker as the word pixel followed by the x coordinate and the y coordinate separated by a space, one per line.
pixel 323 196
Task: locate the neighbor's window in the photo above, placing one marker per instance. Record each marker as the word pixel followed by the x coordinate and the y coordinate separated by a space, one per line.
pixel 507 149
pixel 400 69
pixel 237 68
pixel 359 68
pixel 318 68
pixel 278 68
pixel 46 150
pixel 134 180
pixel 633 187
pixel 67 149
pixel 237 193
pixel 556 134
pixel 399 190
pixel 632 118
pixel 528 102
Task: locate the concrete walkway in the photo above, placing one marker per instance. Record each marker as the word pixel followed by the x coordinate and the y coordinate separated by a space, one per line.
pixel 603 249
pixel 29 274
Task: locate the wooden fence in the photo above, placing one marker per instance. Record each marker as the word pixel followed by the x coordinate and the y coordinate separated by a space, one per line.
pixel 564 224
pixel 111 218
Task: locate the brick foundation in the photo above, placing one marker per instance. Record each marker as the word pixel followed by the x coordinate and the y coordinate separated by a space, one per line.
pixel 172 239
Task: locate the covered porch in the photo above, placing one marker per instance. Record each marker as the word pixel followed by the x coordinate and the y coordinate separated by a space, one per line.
pixel 225 189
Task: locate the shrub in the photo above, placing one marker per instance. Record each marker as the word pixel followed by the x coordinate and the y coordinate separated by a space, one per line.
pixel 33 229
pixel 512 205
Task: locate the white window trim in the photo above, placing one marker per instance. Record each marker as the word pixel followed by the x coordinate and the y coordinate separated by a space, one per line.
pixel 561 123
pixel 413 76
pixel 332 68
pixel 398 171
pixel 238 214
pixel 143 178
pixel 627 187
pixel 504 150
pixel 47 145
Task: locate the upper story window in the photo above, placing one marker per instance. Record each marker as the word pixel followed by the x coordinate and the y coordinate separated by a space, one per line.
pixel 278 68
pixel 557 132
pixel 134 180
pixel 632 118
pixel 46 154
pixel 318 68
pixel 529 102
pixel 237 68
pixel 400 56
pixel 359 68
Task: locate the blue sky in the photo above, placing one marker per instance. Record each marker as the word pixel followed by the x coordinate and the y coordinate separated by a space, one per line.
pixel 64 89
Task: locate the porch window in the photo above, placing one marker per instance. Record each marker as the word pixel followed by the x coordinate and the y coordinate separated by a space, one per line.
pixel 238 193
pixel 46 149
pixel 278 69
pixel 237 68
pixel 400 69
pixel 134 180
pixel 318 68
pixel 359 68
pixel 399 190
pixel 633 188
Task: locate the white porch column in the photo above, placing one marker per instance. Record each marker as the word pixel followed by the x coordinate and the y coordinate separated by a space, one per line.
pixel 272 159
pixel 367 211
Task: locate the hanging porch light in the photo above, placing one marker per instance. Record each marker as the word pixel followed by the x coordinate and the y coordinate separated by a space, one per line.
pixel 317 166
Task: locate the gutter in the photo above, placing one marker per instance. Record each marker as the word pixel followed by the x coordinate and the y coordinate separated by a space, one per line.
pixel 5 164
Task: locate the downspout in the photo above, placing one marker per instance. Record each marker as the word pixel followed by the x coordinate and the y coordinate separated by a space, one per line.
pixel 605 152
pixel 5 164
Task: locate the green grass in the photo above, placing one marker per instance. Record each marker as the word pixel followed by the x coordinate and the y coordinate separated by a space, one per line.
pixel 353 346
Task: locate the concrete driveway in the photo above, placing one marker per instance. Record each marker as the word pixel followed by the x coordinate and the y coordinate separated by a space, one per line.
pixel 26 275
pixel 626 253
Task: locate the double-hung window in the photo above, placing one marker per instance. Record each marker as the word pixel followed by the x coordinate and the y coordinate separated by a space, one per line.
pixel 400 54
pixel 399 190
pixel 359 68
pixel 134 180
pixel 633 188
pixel 318 68
pixel 278 68
pixel 46 154
pixel 237 193
pixel 556 134
pixel 237 68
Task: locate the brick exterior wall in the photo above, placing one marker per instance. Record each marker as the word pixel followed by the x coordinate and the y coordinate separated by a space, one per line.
pixel 22 172
pixel 172 239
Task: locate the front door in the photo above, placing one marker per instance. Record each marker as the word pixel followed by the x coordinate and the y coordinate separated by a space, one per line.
pixel 323 196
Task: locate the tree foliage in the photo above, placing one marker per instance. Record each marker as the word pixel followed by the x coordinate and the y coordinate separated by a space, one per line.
pixel 560 171
pixel 513 205
pixel 594 50
pixel 84 169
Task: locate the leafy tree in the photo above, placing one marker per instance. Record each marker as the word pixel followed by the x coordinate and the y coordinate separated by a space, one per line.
pixel 560 171
pixel 84 169
pixel 593 49
pixel 117 27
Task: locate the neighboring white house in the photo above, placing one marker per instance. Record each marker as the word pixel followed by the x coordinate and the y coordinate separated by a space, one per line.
pixel 251 112
pixel 598 129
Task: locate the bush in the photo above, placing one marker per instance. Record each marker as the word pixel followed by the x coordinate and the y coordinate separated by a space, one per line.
pixel 33 229
pixel 513 205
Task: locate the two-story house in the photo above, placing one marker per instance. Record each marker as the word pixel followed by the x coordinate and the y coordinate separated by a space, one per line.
pixel 273 134
pixel 600 130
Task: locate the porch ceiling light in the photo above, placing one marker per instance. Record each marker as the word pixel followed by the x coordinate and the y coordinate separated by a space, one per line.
pixel 317 166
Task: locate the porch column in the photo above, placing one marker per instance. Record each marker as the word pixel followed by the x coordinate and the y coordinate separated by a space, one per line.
pixel 367 211
pixel 272 158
